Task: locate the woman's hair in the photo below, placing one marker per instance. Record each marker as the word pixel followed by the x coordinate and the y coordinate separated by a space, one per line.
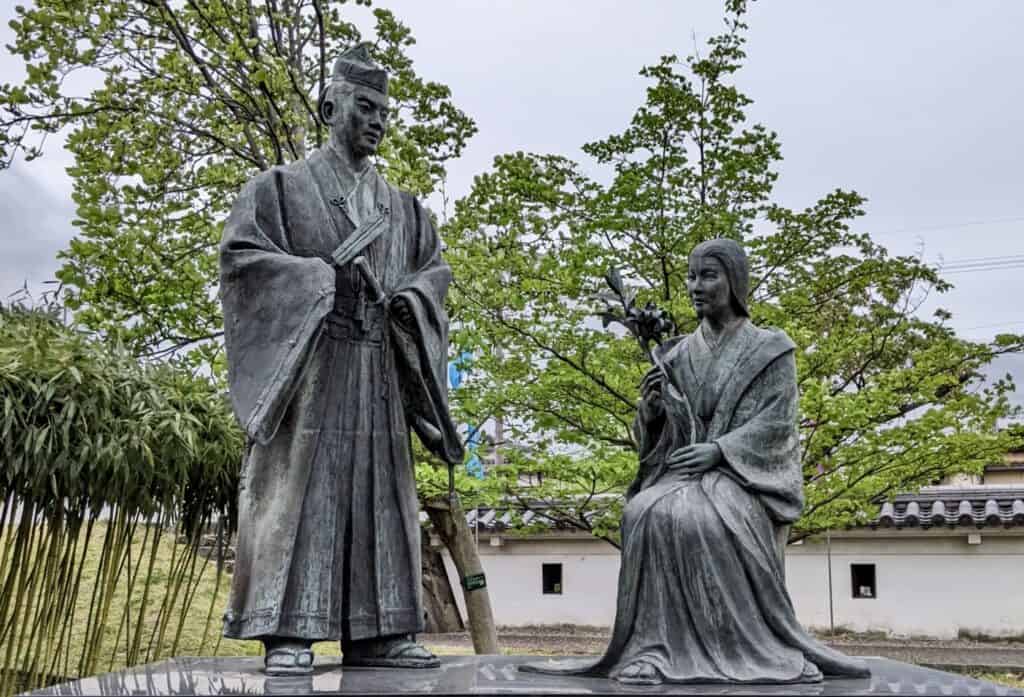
pixel 737 269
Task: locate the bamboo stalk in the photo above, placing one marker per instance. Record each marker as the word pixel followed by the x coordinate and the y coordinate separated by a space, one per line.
pixel 191 587
pixel 175 584
pixel 26 535
pixel 25 530
pixel 75 593
pixel 41 590
pixel 64 615
pixel 133 655
pixel 5 532
pixel 125 623
pixel 160 626
pixel 110 588
pixel 90 625
pixel 126 562
pixel 216 585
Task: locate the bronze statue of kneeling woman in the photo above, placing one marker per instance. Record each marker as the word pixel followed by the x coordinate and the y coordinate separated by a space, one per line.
pixel 701 595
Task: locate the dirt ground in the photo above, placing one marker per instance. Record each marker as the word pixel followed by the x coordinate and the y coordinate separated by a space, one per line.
pixel 958 655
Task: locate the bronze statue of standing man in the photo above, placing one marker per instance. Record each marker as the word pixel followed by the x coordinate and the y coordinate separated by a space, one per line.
pixel 333 290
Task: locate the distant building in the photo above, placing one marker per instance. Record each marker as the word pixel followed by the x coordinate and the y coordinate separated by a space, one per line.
pixel 946 561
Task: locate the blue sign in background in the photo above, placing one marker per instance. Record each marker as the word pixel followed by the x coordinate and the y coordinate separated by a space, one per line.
pixel 457 371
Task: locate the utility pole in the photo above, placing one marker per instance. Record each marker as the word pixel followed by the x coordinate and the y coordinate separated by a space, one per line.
pixel 831 607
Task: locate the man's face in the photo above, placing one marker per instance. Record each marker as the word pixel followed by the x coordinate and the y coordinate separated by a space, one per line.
pixel 363 122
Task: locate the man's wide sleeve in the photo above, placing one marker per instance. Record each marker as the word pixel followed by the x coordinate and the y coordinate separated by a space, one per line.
pixel 274 303
pixel 422 349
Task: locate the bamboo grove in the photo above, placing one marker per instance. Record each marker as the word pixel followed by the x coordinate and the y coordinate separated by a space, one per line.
pixel 98 451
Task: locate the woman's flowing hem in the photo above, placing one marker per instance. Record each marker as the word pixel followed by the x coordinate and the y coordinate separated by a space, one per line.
pixel 591 668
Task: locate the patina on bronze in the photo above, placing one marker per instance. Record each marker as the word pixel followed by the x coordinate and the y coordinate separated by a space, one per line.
pixel 333 289
pixel 701 596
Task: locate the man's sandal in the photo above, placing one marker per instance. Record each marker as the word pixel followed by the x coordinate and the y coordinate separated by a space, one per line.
pixel 401 653
pixel 288 661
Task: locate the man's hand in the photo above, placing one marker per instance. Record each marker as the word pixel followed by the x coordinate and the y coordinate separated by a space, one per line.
pixel 695 459
pixel 402 311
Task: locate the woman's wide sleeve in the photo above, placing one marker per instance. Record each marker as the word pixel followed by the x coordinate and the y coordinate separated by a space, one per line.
pixel 763 449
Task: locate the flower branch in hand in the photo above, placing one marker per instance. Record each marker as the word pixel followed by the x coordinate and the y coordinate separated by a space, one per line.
pixel 648 324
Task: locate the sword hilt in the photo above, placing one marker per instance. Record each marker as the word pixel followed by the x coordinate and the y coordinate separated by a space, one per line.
pixel 363 267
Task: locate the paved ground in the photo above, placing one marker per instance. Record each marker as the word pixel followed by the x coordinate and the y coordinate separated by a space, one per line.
pixel 958 655
pixel 947 655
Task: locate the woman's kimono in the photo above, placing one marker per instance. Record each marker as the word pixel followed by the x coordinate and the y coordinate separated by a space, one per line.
pixel 701 596
pixel 328 386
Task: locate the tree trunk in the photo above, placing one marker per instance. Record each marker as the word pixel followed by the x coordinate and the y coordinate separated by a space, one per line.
pixel 449 523
pixel 438 598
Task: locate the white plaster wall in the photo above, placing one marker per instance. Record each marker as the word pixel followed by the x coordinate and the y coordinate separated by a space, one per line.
pixel 927 585
pixel 1005 478
pixel 590 571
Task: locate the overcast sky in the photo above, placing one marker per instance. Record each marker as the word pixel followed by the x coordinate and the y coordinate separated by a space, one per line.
pixel 916 105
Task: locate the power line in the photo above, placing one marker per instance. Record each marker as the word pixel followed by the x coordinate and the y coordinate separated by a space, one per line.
pixel 990 263
pixel 981 260
pixel 992 326
pixel 993 267
pixel 995 258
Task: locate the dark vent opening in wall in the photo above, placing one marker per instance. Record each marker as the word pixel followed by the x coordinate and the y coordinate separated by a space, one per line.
pixel 552 577
pixel 862 578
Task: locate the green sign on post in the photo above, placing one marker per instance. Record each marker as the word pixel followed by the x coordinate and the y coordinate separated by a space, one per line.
pixel 474 582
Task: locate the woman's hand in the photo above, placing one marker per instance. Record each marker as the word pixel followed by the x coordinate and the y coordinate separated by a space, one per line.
pixel 695 459
pixel 650 391
pixel 651 386
pixel 650 396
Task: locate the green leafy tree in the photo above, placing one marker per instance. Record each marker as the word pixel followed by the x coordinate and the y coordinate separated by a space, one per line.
pixel 191 99
pixel 890 400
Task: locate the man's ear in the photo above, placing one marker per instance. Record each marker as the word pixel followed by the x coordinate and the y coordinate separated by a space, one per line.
pixel 325 107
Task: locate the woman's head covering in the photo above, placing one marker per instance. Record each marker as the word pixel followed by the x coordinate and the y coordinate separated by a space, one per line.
pixel 737 269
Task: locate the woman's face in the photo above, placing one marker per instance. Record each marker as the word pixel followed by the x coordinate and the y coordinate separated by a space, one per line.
pixel 708 287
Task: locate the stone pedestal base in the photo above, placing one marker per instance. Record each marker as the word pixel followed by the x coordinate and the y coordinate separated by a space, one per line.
pixel 475 675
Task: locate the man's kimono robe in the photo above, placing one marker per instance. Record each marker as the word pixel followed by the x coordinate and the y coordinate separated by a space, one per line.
pixel 328 384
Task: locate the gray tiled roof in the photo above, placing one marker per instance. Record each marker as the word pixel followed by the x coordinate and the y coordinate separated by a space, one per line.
pixel 971 506
pixel 935 506
pixel 500 519
pixel 486 519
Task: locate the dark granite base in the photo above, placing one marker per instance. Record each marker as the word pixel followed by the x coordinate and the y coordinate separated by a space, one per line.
pixel 475 675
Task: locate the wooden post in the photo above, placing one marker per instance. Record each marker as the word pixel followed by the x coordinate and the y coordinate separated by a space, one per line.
pixel 449 523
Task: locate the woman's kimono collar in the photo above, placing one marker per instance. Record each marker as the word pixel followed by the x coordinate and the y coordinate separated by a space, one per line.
pixel 761 349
